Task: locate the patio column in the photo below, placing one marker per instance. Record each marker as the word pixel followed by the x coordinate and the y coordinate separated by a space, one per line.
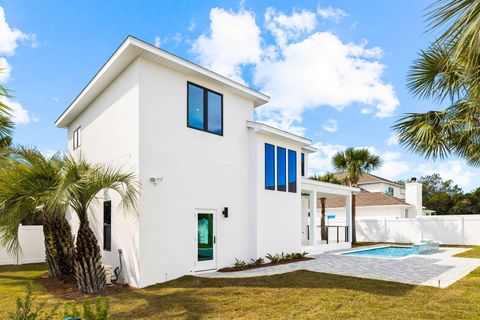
pixel 313 215
pixel 348 216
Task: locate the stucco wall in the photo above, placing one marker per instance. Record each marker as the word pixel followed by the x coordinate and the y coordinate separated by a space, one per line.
pixel 109 135
pixel 385 211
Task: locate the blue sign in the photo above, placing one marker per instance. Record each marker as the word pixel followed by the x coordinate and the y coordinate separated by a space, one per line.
pixel 330 217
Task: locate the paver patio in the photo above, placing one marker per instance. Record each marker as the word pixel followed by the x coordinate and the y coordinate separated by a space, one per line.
pixel 439 269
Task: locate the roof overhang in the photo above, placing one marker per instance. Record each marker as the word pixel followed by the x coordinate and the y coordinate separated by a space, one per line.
pixel 265 129
pixel 327 189
pixel 129 51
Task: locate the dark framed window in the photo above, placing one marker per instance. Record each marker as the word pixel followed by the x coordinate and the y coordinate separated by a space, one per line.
pixel 269 167
pixel 292 171
pixel 302 164
pixel 281 169
pixel 107 225
pixel 76 138
pixel 204 109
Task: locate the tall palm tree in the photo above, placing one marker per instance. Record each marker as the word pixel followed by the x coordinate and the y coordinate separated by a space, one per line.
pixel 447 71
pixel 81 185
pixel 354 163
pixel 330 178
pixel 6 124
pixel 27 181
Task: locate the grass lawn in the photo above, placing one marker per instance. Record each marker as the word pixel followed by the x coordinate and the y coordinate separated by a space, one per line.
pixel 301 294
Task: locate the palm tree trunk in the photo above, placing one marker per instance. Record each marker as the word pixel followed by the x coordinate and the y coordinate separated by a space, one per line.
pixel 59 246
pixel 89 271
pixel 323 231
pixel 354 229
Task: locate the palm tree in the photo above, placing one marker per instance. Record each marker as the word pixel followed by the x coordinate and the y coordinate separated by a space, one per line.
pixel 354 163
pixel 330 178
pixel 81 184
pixel 27 181
pixel 6 125
pixel 447 71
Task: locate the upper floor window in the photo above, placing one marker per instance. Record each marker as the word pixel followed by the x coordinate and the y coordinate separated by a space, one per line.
pixel 292 171
pixel 269 167
pixel 389 191
pixel 302 164
pixel 281 169
pixel 205 109
pixel 76 138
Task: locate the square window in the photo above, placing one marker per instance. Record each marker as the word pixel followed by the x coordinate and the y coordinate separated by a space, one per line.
pixel 204 109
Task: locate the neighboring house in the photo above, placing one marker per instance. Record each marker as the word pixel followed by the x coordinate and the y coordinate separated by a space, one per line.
pixel 380 197
pixel 215 184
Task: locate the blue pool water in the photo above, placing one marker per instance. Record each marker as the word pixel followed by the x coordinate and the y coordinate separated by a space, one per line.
pixel 386 252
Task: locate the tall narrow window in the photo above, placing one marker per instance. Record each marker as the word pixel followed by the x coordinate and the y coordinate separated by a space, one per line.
pixel 204 109
pixel 292 171
pixel 107 225
pixel 303 164
pixel 281 169
pixel 269 167
pixel 76 138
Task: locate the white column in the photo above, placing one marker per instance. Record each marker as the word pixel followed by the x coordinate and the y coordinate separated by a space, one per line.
pixel 348 216
pixel 313 220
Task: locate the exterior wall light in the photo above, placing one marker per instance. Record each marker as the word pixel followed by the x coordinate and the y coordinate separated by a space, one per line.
pixel 155 180
pixel 225 212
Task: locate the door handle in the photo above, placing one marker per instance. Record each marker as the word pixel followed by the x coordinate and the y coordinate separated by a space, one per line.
pixel 214 239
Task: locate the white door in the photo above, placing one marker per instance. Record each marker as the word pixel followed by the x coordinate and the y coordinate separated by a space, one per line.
pixel 205 240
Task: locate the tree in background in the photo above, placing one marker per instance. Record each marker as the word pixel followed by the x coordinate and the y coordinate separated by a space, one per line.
pixel 330 178
pixel 28 184
pixel 447 71
pixel 355 162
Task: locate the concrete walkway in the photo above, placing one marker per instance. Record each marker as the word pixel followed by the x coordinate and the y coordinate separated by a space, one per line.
pixel 440 269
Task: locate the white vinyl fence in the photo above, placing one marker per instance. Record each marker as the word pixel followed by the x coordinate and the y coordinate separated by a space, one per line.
pixel 454 229
pixel 33 247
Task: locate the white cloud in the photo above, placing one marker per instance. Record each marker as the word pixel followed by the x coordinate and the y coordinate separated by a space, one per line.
pixel 392 140
pixel 321 70
pixel 6 70
pixel 192 25
pixel 233 41
pixel 365 111
pixel 331 125
pixel 56 99
pixel 285 28
pixel 20 115
pixel 158 42
pixel 392 166
pixel 9 36
pixel 321 161
pixel 456 170
pixel 331 13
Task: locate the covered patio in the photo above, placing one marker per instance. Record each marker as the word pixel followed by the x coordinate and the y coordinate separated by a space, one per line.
pixel 315 237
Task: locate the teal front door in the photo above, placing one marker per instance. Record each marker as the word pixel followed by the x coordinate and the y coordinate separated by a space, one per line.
pixel 205 221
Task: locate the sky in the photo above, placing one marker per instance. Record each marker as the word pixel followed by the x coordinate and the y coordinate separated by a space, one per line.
pixel 335 70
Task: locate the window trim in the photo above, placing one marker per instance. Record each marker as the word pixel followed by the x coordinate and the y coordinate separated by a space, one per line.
pixel 282 188
pixel 76 141
pixel 107 246
pixel 265 166
pixel 205 108
pixel 292 186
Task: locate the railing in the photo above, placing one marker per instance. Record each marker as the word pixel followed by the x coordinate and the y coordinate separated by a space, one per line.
pixel 327 231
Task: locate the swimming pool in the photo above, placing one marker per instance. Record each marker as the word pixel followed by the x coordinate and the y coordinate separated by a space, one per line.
pixel 384 252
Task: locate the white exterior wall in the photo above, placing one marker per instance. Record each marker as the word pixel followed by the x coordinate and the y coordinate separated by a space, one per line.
pixel 109 135
pixel 33 247
pixel 461 229
pixel 200 170
pixel 279 218
pixel 396 212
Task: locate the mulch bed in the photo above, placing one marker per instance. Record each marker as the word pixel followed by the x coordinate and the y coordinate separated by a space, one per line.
pixel 248 267
pixel 69 291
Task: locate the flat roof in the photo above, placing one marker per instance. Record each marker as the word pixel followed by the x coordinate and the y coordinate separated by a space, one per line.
pixel 129 51
pixel 269 130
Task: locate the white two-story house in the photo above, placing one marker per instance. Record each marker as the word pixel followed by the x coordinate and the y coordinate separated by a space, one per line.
pixel 216 185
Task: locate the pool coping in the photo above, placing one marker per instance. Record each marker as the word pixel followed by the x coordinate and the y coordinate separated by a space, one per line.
pixel 365 248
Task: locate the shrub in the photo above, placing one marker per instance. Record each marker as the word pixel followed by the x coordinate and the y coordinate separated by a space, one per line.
pixel 257 262
pixel 101 311
pixel 28 309
pixel 273 258
pixel 239 263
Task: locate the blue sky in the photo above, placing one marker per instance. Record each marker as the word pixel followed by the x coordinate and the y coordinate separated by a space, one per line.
pixel 336 70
